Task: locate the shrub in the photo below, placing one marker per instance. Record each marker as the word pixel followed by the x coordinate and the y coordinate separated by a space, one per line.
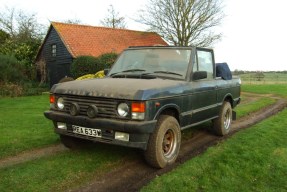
pixel 24 89
pixel 106 60
pixel 84 65
pixel 90 65
pixel 11 70
pixel 34 88
pixel 11 90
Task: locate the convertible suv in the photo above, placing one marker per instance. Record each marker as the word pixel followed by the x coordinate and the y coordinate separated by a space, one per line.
pixel 146 99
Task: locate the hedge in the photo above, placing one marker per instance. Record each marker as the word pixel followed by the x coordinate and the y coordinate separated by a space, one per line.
pixel 90 65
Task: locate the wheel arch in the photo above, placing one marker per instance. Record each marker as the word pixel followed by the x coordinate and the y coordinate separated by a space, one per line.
pixel 170 109
pixel 229 99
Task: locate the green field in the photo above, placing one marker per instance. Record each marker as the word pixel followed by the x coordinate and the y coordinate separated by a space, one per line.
pixel 278 89
pixel 252 160
pixel 267 78
pixel 23 125
pixel 245 108
pixel 64 171
pixel 237 160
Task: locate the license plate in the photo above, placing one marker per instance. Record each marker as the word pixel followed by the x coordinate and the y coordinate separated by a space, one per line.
pixel 86 131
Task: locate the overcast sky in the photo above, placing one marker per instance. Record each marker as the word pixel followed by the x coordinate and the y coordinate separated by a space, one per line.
pixel 255 31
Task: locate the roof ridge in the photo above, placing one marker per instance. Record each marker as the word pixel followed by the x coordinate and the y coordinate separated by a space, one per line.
pixel 102 27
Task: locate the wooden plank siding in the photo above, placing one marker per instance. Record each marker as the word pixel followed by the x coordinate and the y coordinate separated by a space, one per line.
pixel 58 66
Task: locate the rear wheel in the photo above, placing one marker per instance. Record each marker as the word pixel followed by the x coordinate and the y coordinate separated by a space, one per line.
pixel 222 124
pixel 164 144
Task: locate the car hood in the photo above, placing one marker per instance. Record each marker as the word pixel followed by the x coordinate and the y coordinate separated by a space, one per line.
pixel 121 88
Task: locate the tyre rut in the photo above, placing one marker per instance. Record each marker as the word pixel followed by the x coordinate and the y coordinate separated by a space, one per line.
pixel 133 175
pixel 31 155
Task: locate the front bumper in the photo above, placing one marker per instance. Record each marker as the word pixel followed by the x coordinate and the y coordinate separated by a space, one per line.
pixel 138 131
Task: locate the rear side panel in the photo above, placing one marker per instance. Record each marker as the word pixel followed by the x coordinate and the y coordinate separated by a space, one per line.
pixel 228 89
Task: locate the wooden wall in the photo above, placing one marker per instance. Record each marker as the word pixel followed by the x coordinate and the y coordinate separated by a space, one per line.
pixel 58 66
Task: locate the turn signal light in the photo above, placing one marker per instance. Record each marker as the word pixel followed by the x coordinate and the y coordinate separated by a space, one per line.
pixel 138 107
pixel 52 98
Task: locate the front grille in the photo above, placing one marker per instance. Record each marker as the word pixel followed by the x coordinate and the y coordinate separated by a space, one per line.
pixel 106 107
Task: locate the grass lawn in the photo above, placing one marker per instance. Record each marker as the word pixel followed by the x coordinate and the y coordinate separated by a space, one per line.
pixel 277 89
pixel 64 171
pixel 23 125
pixel 244 109
pixel 254 159
pixel 70 169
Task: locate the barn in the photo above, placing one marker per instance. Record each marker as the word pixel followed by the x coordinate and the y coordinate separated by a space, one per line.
pixel 65 42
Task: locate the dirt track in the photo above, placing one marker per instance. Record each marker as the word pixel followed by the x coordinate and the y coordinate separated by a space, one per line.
pixel 135 174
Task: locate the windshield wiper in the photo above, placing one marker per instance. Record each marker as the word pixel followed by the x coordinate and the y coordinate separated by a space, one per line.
pixel 133 70
pixel 129 70
pixel 168 72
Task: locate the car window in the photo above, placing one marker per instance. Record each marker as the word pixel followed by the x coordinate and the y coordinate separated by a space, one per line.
pixel 204 62
pixel 160 61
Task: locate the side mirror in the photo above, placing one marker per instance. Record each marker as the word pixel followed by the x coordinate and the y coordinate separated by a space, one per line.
pixel 106 71
pixel 197 75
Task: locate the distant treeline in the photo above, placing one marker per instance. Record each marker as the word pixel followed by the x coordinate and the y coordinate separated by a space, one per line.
pixel 239 72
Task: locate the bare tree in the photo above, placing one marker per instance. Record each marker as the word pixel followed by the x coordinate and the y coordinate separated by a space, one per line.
pixel 259 75
pixel 21 25
pixel 28 26
pixel 41 67
pixel 7 21
pixel 23 37
pixel 73 21
pixel 113 20
pixel 184 22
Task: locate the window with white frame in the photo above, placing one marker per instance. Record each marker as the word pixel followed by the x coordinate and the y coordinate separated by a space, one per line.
pixel 54 50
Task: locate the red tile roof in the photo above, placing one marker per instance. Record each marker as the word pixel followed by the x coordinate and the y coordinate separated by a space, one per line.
pixel 95 41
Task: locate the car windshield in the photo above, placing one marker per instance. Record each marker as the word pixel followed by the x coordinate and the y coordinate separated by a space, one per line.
pixel 171 63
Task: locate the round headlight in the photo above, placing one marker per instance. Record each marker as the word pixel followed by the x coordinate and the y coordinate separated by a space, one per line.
pixel 60 103
pixel 123 109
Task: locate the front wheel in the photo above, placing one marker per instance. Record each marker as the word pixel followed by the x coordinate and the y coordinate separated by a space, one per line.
pixel 222 124
pixel 164 144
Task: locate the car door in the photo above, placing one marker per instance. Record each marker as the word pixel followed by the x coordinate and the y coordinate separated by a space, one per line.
pixel 204 94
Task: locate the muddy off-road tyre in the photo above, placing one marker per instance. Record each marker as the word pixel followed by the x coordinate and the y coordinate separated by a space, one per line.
pixel 222 124
pixel 164 144
pixel 72 142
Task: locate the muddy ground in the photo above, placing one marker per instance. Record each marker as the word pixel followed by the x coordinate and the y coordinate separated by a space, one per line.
pixel 134 174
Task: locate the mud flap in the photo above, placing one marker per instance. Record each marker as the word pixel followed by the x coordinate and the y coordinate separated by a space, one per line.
pixel 233 115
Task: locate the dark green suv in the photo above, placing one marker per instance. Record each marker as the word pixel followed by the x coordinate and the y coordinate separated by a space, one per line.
pixel 148 96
